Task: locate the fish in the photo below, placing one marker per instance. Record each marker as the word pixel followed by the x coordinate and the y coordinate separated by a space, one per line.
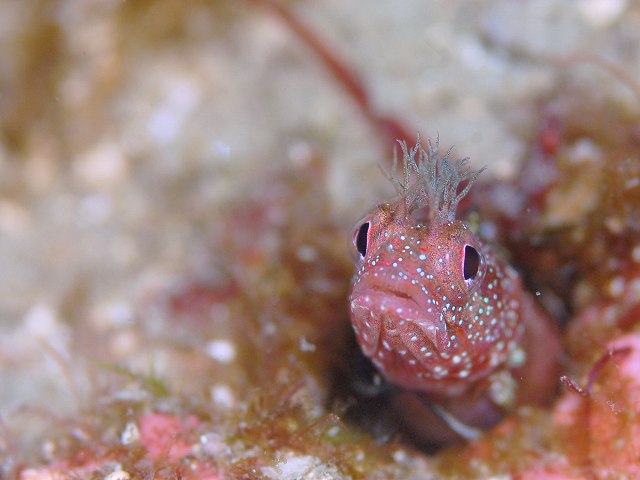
pixel 436 309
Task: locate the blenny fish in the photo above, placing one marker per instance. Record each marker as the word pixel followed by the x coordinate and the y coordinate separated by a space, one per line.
pixel 438 311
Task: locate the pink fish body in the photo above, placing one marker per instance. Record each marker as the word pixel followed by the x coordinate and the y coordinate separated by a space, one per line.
pixel 432 306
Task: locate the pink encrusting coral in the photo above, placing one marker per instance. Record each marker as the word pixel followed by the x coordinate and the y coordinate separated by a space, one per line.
pixel 165 436
pixel 161 446
pixel 593 430
pixel 606 413
pixel 436 309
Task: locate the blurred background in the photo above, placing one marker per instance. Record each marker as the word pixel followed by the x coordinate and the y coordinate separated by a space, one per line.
pixel 127 127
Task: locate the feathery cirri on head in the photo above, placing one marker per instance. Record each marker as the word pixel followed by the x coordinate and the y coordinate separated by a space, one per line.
pixel 432 306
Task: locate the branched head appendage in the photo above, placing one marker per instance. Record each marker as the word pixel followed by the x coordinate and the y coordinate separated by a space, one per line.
pixel 437 180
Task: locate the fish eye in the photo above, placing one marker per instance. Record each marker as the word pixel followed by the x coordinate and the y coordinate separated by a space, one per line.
pixel 361 239
pixel 471 263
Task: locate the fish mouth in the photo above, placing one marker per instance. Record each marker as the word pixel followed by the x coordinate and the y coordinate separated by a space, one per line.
pixel 385 298
pixel 383 312
pixel 392 304
pixel 376 313
pixel 412 295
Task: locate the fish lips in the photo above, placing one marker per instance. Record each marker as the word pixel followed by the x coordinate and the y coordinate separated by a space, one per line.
pixel 376 308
